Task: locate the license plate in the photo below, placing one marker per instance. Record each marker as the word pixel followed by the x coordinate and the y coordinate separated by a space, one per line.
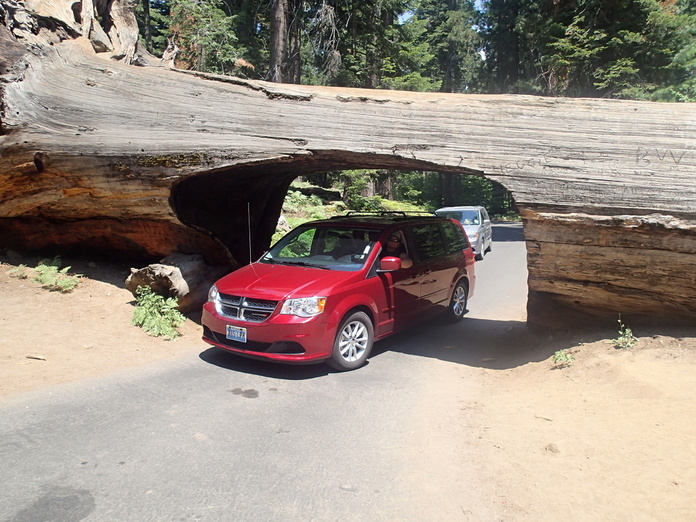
pixel 235 333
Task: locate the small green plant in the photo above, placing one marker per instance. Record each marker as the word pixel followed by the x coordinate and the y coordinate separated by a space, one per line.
pixel 626 339
pixel 20 272
pixel 157 315
pixel 51 277
pixel 563 358
pixel 56 261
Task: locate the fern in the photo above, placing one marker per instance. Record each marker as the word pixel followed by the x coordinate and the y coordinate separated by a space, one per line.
pixel 157 315
pixel 51 277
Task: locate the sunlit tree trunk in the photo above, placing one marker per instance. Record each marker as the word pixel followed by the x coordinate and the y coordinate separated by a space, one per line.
pixel 279 41
pixel 371 55
pixel 294 63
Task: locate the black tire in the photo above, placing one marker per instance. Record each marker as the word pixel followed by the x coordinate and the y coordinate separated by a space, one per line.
pixel 458 302
pixel 353 342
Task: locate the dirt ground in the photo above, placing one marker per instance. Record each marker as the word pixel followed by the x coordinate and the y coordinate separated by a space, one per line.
pixel 49 338
pixel 611 436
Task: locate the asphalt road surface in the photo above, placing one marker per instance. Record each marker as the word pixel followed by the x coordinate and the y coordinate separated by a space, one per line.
pixel 210 436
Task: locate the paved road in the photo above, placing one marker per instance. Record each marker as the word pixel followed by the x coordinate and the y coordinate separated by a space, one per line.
pixel 210 436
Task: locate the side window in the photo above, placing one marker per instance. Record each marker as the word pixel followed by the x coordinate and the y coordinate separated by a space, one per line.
pixel 485 215
pixel 427 240
pixel 454 238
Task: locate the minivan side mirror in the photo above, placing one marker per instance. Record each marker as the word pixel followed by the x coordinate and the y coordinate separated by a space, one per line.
pixel 389 264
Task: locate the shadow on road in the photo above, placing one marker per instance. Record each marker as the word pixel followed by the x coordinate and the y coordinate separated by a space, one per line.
pixel 291 372
pixel 504 231
pixel 479 343
pixel 482 343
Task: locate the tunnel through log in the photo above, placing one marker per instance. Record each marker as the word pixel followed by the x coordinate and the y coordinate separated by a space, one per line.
pixel 235 206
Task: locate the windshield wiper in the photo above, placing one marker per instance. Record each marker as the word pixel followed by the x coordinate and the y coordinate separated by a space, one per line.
pixel 305 264
pixel 292 263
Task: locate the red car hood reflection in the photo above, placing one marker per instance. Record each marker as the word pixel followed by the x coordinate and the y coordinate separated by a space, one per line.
pixel 277 282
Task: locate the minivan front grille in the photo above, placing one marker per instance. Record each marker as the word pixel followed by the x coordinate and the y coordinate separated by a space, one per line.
pixel 245 308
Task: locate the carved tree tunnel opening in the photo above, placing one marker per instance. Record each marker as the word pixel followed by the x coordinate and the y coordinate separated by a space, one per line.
pixel 239 207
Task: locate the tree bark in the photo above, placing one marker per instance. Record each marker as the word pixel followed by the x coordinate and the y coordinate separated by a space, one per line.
pixel 98 156
pixel 279 41
pixel 372 63
pixel 146 23
pixel 294 59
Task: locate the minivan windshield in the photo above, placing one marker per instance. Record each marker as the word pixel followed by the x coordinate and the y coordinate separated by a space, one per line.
pixel 465 217
pixel 327 247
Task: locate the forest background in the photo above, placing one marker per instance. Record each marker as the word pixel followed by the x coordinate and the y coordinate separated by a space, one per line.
pixel 629 49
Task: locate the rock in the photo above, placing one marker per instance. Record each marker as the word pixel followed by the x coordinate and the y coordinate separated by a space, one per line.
pixel 184 277
pixel 552 448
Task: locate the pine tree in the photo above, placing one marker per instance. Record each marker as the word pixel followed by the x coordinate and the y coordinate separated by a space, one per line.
pixel 450 35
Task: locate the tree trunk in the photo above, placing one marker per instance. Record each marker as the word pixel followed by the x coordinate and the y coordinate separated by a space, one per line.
pixel 294 62
pixel 146 26
pixel 372 63
pixel 98 156
pixel 279 41
pixel 447 189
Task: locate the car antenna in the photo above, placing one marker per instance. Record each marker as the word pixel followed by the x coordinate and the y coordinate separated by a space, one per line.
pixel 251 260
pixel 249 230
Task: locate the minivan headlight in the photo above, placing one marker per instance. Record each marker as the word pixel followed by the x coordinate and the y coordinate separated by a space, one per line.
pixel 213 294
pixel 473 237
pixel 304 307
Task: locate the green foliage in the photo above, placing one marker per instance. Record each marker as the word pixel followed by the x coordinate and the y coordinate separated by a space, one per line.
pixel 156 315
pixel 433 190
pixel 626 339
pixel 448 32
pixel 206 35
pixel 355 185
pixel 300 246
pixel 374 190
pixel 158 27
pixel 407 70
pixel 296 202
pixel 563 358
pixel 394 206
pixel 591 48
pixel 51 277
pixel 644 49
pixel 20 272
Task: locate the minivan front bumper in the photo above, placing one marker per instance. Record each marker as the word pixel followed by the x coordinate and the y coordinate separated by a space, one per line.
pixel 282 338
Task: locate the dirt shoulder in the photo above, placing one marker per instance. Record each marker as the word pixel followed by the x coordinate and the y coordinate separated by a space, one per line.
pixel 50 338
pixel 611 436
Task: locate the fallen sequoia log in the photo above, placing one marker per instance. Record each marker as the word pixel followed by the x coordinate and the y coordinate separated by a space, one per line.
pixel 100 156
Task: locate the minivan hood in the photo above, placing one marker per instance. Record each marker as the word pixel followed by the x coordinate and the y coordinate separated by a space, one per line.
pixel 278 282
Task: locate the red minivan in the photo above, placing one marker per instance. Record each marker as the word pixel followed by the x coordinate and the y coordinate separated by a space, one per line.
pixel 329 288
